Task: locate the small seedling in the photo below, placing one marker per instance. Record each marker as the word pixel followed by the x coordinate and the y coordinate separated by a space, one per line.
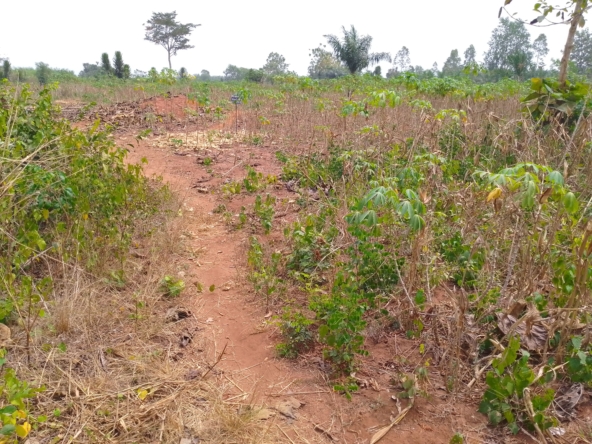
pixel 171 286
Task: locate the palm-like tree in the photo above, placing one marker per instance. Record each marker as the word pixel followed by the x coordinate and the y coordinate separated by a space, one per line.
pixel 354 50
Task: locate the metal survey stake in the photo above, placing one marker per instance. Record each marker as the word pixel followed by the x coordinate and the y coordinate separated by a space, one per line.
pixel 237 101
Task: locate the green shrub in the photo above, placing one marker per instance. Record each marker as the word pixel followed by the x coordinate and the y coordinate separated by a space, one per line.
pixel 297 336
pixel 171 287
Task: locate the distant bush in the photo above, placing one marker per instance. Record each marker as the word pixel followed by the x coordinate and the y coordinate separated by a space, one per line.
pixel 42 72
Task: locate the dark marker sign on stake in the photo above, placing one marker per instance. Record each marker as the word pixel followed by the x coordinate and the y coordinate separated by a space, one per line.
pixel 237 101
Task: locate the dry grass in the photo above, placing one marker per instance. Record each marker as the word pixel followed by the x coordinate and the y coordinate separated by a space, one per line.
pixel 106 345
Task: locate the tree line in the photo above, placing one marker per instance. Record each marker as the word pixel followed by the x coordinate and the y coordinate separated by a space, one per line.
pixel 511 53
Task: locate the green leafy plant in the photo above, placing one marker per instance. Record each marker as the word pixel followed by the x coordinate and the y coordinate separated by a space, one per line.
pixel 297 336
pixel 550 101
pixel 507 397
pixel 14 416
pixel 171 287
pixel 312 243
pixel 264 209
pixel 254 181
pixel 341 318
pixel 265 271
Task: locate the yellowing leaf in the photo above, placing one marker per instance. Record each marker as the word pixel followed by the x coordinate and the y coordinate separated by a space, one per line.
pixel 142 394
pixel 21 414
pixel 23 430
pixel 494 195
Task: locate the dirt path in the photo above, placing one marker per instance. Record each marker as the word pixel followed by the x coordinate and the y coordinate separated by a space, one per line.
pixel 230 316
pixel 233 317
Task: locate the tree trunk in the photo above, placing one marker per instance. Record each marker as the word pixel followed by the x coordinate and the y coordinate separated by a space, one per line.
pixel 569 44
pixel 171 67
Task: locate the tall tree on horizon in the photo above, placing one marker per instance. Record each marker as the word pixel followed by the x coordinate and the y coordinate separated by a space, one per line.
pixel 354 50
pixel 470 56
pixel 581 55
pixel 5 69
pixel 402 60
pixel 324 65
pixel 509 47
pixel 106 63
pixel 275 65
pixel 164 30
pixel 574 10
pixel 118 65
pixel 452 65
pixel 541 50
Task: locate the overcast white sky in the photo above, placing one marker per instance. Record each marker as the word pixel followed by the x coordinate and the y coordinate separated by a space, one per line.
pixel 67 33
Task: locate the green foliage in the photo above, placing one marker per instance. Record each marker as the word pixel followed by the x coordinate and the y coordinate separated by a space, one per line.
pixel 323 65
pixel 264 209
pixel 297 336
pixel 354 50
pixel 275 65
pixel 311 242
pixel 42 72
pixel 106 64
pixel 468 260
pixel 255 75
pixel 505 398
pixel 582 52
pixel 66 195
pixel 453 64
pixel 579 362
pixel 171 287
pixel 265 271
pixel 5 74
pixel 163 29
pixel 341 317
pixel 509 42
pixel 458 438
pixel 254 181
pixel 14 415
pixel 119 69
pixel 549 101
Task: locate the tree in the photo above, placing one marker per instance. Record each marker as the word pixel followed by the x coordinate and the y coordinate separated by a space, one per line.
pixel 582 52
pixel 275 65
pixel 323 65
pixel 42 72
pixel 205 75
pixel 402 60
pixel 255 75
pixel 452 65
pixel 377 71
pixel 575 10
pixel 354 50
pixel 510 38
pixel 183 73
pixel 164 30
pixel 118 65
pixel 470 56
pixel 5 74
pixel 126 71
pixel 520 63
pixel 435 69
pixel 541 50
pixel 90 70
pixel 106 64
pixel 233 72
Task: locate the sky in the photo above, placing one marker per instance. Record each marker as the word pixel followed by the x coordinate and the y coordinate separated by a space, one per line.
pixel 68 33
